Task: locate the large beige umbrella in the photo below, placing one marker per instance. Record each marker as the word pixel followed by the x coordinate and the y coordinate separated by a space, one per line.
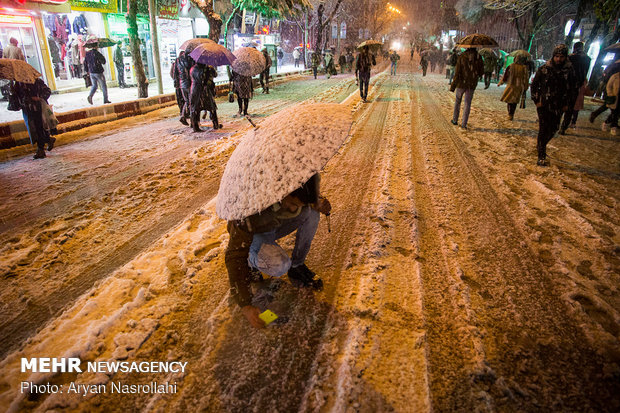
pixel 190 44
pixel 18 70
pixel 372 44
pixel 279 156
pixel 248 62
pixel 477 40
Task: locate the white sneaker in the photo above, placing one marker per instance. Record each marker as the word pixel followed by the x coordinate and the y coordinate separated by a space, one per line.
pixel 615 131
pixel 605 127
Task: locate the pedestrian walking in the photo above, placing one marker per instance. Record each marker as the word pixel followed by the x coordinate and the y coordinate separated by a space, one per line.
pixel 411 54
pixel 12 51
pixel 362 70
pixel 468 70
pixel 183 65
pixel 552 90
pixel 394 58
pixel 350 59
pixel 208 97
pixel 264 75
pixel 490 64
pixel 516 77
pixel 280 56
pixel 244 89
pixel 451 64
pixel 607 74
pixel 296 56
pixel 424 61
pixel 613 93
pixel 581 64
pixel 174 74
pixel 198 75
pixel 30 98
pixel 328 60
pixel 342 62
pixel 93 64
pixel 499 66
pixel 120 65
pixel 315 61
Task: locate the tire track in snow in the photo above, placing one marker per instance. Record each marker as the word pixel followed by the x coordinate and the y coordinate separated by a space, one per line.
pixel 508 307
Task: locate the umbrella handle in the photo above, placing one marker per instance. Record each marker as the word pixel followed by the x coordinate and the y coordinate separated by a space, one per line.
pixel 251 122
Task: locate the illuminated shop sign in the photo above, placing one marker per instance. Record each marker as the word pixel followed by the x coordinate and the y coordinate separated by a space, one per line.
pixel 12 19
pixel 106 6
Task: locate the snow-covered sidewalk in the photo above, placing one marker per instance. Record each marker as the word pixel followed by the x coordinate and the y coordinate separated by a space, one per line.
pixel 64 102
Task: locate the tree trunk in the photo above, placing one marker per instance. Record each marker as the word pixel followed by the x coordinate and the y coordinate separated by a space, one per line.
pixel 134 43
pixel 578 16
pixel 214 19
pixel 319 32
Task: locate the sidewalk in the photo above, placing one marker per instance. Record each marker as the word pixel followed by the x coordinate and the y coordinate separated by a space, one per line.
pixel 74 112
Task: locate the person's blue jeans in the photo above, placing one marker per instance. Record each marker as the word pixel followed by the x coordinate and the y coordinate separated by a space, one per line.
pixel 98 78
pixel 469 94
pixel 269 258
pixel 393 68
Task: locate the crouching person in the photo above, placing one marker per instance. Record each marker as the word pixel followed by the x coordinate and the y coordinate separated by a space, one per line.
pixel 252 248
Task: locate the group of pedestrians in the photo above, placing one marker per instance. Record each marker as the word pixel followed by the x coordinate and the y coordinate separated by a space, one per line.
pixel 195 91
pixel 558 90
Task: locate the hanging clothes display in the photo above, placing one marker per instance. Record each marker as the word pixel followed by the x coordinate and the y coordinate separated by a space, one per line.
pixel 63 28
pixel 80 25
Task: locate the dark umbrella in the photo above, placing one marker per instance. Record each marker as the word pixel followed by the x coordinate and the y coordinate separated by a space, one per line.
pixel 100 43
pixel 212 54
pixel 477 40
pixel 190 44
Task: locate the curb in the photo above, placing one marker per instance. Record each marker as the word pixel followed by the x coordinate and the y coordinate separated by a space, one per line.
pixel 14 133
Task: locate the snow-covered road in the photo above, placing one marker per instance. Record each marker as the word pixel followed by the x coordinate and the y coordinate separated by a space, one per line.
pixel 458 275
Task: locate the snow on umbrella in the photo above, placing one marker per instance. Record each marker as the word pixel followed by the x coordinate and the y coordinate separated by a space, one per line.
pixel 521 54
pixel 212 54
pixel 190 44
pixel 18 70
pixel 100 42
pixel 249 61
pixel 477 40
pixel 279 156
pixel 370 43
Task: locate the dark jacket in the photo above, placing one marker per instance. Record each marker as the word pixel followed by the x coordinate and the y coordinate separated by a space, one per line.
pixel 364 60
pixel 553 86
pixel 242 85
pixel 469 67
pixel 118 56
pixel 94 61
pixel 581 64
pixel 241 234
pixel 198 74
pixel 183 66
pixel 24 93
pixel 208 94
pixel 268 61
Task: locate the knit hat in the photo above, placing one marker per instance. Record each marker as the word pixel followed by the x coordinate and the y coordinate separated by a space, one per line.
pixel 561 50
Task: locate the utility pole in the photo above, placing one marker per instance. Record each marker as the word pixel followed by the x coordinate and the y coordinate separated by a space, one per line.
pixel 155 46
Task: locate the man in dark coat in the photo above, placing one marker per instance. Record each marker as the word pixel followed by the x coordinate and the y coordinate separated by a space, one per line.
pixel 552 90
pixel 581 64
pixel 198 74
pixel 93 64
pixel 264 75
pixel 469 68
pixel 120 65
pixel 253 244
pixel 183 66
pixel 362 70
pixel 607 74
pixel 174 74
pixel 424 61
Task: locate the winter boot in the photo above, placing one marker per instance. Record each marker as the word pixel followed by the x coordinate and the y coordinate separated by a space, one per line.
pixel 50 144
pixel 302 277
pixel 183 121
pixel 40 154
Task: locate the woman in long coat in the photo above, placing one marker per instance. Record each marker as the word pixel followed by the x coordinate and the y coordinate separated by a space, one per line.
pixel 198 74
pixel 208 96
pixel 516 77
pixel 244 89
